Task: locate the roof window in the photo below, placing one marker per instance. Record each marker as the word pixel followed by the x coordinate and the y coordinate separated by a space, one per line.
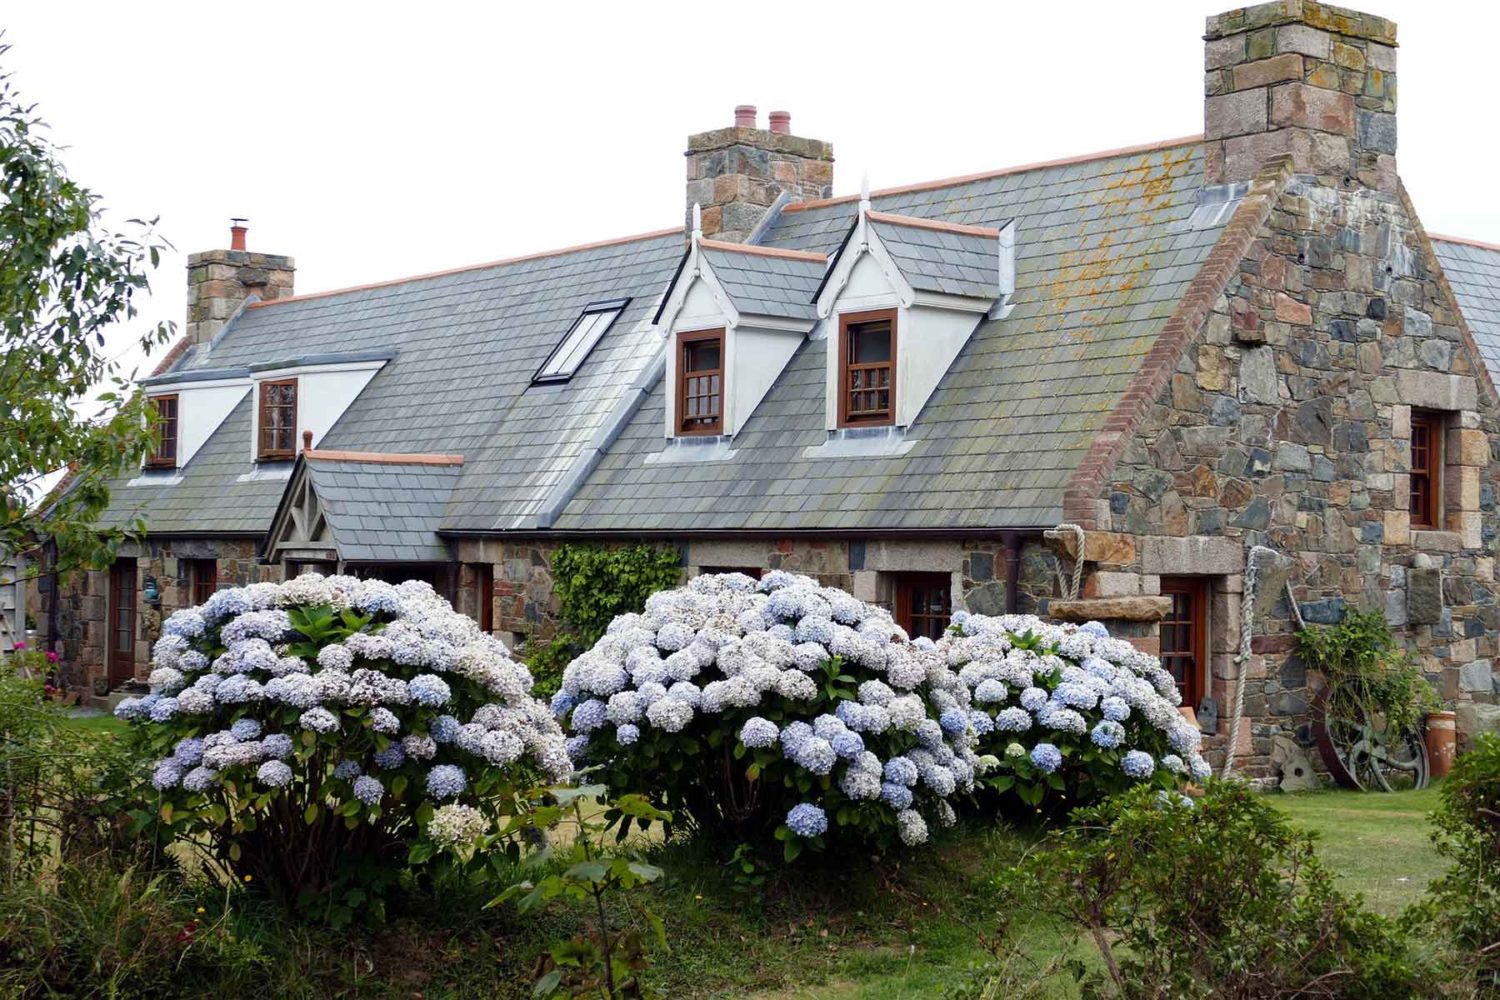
pixel 591 325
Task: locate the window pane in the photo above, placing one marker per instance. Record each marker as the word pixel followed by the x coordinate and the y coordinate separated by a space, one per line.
pixel 703 355
pixel 870 343
pixel 579 342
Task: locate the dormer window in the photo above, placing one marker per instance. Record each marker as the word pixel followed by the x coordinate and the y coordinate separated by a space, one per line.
pixel 590 327
pixel 165 454
pixel 700 382
pixel 867 351
pixel 278 420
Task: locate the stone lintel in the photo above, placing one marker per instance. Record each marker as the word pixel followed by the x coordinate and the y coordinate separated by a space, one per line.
pixel 1129 609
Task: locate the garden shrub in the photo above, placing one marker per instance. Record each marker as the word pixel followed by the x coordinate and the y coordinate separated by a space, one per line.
pixel 320 735
pixel 1068 710
pixel 775 708
pixel 1466 899
pixel 594 584
pixel 1218 897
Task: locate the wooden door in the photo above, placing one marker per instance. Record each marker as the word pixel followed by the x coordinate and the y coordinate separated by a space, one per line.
pixel 924 603
pixel 121 639
pixel 1184 636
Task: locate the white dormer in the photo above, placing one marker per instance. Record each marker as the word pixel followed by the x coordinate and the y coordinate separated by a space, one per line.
pixel 901 299
pixel 733 317
pixel 305 395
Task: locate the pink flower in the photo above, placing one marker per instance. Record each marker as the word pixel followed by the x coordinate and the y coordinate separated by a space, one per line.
pixel 51 656
pixel 20 645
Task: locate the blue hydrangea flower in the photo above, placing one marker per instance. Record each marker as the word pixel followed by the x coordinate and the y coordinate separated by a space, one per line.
pixel 1138 764
pixel 1174 763
pixel 163 710
pixel 383 720
pixel 167 774
pixel 200 779
pixel 589 715
pixel 561 703
pixel 989 691
pixel 1108 734
pixel 576 745
pixel 1046 757
pixel 1094 629
pixel 277 745
pixel 1199 768
pixel 1034 699
pixel 627 733
pixel 189 751
pixel 319 720
pixel 929 734
pixel 848 745
pixel 274 773
pixel 368 790
pixel 807 820
pixel 954 721
pixel 758 733
pixel 347 770
pixel 901 771
pixel 1012 720
pixel 429 690
pixel 1115 709
pixel 391 757
pixel 245 729
pixel 896 796
pixel 446 782
pixel 982 723
pixel 443 729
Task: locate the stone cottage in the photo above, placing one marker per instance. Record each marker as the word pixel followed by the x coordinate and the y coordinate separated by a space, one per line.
pixel 1197 388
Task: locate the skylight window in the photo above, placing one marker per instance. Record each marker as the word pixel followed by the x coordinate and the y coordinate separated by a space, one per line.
pixel 568 356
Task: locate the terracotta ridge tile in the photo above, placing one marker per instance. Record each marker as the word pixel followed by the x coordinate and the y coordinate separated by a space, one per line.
pixel 381 458
pixel 945 227
pixel 1464 241
pixel 1145 147
pixel 761 251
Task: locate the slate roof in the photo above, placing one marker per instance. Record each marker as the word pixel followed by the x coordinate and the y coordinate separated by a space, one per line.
pixel 1473 271
pixel 764 285
pixel 1104 251
pixel 385 512
pixel 465 344
pixel 933 260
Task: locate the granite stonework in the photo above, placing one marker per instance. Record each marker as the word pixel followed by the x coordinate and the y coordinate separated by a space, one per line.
pixel 526 608
pixel 83 620
pixel 735 174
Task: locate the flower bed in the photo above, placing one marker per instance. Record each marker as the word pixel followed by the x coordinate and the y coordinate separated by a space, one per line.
pixel 774 708
pixel 1069 709
pixel 304 727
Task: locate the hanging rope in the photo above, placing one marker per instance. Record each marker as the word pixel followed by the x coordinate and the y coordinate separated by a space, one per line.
pixel 1063 584
pixel 1242 661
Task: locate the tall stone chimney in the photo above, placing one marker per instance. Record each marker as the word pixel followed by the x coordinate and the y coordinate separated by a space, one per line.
pixel 737 173
pixel 219 280
pixel 1305 79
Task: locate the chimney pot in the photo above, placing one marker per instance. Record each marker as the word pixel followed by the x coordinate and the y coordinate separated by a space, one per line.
pixel 307 440
pixel 744 116
pixel 781 122
pixel 237 230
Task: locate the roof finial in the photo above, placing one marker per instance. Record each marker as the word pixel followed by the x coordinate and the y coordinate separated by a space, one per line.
pixel 697 222
pixel 864 192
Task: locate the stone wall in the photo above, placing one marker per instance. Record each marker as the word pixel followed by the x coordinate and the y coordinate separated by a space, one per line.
pixel 1286 423
pixel 735 174
pixel 83 600
pixel 525 606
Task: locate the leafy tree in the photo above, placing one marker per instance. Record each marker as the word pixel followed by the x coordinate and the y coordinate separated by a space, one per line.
pixel 65 281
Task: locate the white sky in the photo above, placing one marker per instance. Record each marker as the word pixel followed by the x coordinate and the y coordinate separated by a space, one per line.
pixel 374 140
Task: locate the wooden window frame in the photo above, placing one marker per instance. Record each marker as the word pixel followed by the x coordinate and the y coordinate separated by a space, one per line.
pixel 119 667
pixel 906 585
pixel 847 320
pixel 203 579
pixel 1195 685
pixel 263 453
pixel 159 458
pixel 685 338
pixel 485 585
pixel 1426 501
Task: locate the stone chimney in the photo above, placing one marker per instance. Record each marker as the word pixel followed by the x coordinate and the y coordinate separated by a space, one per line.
pixel 737 173
pixel 219 280
pixel 1304 79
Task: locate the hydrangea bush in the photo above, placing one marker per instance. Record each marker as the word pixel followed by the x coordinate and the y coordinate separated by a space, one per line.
pixel 303 730
pixel 775 708
pixel 1069 709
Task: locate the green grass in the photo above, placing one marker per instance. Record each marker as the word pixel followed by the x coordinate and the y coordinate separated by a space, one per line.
pixel 1378 845
pixel 103 724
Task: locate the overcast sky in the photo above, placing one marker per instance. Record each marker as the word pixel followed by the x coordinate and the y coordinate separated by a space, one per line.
pixel 373 141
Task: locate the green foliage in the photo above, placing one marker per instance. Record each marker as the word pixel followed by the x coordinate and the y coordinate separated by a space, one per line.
pixel 1366 667
pixel 1217 898
pixel 65 281
pixel 594 869
pixel 1467 897
pixel 595 583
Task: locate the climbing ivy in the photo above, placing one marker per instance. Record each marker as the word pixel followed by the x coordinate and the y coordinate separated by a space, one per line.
pixel 1367 669
pixel 594 584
